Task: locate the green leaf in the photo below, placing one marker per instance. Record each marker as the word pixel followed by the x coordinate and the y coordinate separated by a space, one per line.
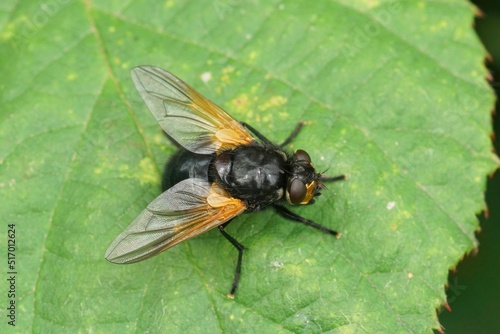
pixel 394 94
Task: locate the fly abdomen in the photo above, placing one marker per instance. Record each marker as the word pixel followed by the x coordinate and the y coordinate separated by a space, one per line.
pixel 186 165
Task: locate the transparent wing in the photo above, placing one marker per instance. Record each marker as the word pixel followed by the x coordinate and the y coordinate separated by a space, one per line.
pixel 192 120
pixel 189 208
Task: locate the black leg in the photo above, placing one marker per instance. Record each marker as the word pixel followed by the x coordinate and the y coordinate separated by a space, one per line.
pixel 285 213
pixel 294 134
pixel 240 249
pixel 257 133
pixel 332 178
pixel 287 141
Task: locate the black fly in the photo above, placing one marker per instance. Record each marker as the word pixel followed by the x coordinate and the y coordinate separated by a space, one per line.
pixel 226 168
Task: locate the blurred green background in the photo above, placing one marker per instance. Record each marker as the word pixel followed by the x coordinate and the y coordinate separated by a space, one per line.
pixel 474 287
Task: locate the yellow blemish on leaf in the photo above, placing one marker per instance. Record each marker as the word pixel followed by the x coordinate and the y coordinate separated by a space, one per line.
pixel 240 103
pixel 148 172
pixel 273 102
pixel 112 29
pixel 252 56
pixel 97 170
pixel 294 270
pixel 372 3
pixel 439 26
pixel 8 32
pixel 169 4
pixel 283 115
pixel 158 139
pixel 404 215
pixel 225 77
pixel 267 118
pixel 475 74
pixel 71 76
pixel 255 88
pixel 459 34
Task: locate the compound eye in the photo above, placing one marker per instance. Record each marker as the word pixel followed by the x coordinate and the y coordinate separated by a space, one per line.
pixel 297 191
pixel 302 155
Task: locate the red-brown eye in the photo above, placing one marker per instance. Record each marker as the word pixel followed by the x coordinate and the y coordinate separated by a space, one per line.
pixel 302 155
pixel 297 191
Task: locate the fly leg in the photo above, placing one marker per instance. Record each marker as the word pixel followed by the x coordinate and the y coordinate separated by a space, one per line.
pixel 257 134
pixel 287 214
pixel 294 134
pixel 240 248
pixel 287 141
pixel 333 178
